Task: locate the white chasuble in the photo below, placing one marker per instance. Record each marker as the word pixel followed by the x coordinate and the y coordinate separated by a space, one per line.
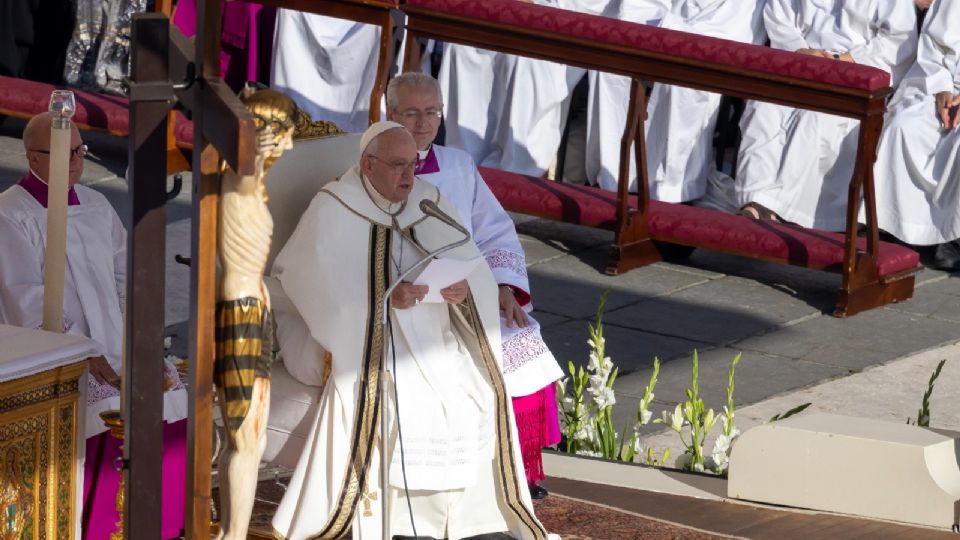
pixel 528 365
pixel 799 163
pixel 917 174
pixel 454 412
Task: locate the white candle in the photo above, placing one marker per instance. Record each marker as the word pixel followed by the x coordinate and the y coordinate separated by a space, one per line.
pixel 62 108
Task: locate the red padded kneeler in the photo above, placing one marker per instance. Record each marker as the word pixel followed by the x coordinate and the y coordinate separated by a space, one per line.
pixel 688 225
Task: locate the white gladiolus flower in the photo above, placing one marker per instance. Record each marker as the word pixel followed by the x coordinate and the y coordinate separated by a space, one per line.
pixel 607 364
pixel 583 434
pixel 721 445
pixel 638 447
pixel 672 419
pixel 605 398
pixel 676 419
pixel 593 364
pixel 645 416
pixel 708 420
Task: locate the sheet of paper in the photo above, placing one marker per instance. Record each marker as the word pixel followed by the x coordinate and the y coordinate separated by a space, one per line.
pixel 442 273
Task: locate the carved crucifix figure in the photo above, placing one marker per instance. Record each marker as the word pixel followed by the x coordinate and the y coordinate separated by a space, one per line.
pixel 244 345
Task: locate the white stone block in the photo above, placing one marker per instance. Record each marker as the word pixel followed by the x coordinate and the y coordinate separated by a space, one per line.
pixel 850 465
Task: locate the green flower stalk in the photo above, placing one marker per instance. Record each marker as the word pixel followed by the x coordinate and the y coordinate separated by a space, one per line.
pixel 586 399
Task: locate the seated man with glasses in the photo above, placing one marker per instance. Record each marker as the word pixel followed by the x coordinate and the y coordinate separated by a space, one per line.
pixel 529 368
pixel 455 468
pixel 93 304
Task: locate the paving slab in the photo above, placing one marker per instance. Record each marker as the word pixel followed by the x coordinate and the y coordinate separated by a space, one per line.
pixel 869 338
pixel 572 285
pixel 757 377
pixel 717 311
pixel 548 320
pixel 941 301
pixel 630 349
pixel 794 278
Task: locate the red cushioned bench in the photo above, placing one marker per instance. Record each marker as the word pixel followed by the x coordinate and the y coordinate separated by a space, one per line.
pixel 692 226
pixel 21 98
pixel 874 273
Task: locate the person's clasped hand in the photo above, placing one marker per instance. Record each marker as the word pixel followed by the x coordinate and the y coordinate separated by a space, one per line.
pixel 407 295
pixel 511 309
pixel 103 372
pixel 948 109
pixel 456 293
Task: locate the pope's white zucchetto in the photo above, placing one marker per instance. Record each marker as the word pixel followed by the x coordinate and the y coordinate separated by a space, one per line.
pixel 376 129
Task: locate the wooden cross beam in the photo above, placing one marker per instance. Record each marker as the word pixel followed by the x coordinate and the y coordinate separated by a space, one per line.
pixel 164 70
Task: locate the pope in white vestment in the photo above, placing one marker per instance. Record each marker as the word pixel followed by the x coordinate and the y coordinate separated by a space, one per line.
pixel 798 163
pixel 452 443
pixel 917 174
pixel 681 121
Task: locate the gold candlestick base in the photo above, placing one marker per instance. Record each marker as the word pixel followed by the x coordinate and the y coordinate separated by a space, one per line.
pixel 114 422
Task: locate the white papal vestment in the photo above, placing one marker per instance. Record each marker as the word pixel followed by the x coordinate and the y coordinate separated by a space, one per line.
pixel 799 163
pixel 528 365
pixel 455 414
pixel 917 174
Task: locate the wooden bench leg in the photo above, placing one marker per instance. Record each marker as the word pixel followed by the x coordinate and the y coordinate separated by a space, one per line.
pixel 632 248
pixel 632 245
pixel 864 289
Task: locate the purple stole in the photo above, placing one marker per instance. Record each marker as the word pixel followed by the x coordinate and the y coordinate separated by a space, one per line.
pixel 428 165
pixel 38 189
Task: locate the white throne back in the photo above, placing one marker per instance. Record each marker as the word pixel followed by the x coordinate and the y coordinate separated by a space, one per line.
pixel 291 184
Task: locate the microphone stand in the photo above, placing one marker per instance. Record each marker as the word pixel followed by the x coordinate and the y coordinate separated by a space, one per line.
pixel 384 374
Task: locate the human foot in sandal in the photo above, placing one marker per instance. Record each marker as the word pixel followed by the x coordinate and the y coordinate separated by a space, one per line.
pixel 754 210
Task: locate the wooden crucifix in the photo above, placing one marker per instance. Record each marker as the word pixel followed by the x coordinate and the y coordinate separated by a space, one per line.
pixel 165 69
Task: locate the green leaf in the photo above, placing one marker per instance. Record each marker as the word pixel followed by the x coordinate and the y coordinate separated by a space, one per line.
pixel 796 410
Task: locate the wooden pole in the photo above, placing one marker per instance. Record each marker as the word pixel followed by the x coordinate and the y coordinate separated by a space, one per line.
pixel 206 190
pixel 58 184
pixel 143 368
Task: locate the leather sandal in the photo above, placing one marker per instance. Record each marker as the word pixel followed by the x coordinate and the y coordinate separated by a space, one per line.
pixel 757 211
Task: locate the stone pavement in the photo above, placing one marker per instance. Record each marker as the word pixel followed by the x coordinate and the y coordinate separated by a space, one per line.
pixel 777 316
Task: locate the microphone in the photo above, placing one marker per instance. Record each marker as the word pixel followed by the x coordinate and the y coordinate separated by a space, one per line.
pixel 431 209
